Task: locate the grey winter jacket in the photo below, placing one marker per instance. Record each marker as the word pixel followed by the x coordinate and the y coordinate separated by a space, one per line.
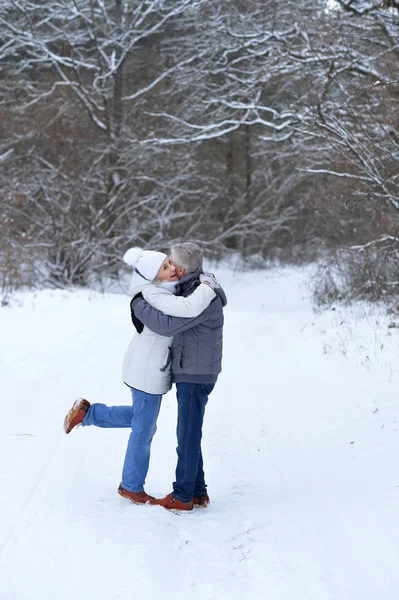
pixel 198 342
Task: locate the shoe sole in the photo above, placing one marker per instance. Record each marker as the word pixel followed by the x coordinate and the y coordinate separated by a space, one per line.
pixel 180 513
pixel 177 511
pixel 71 415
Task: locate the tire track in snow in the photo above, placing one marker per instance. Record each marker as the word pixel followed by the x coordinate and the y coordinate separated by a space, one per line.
pixel 39 524
pixel 52 482
pixel 52 487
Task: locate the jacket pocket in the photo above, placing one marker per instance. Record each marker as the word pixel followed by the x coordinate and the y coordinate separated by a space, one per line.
pixel 168 360
pixel 177 360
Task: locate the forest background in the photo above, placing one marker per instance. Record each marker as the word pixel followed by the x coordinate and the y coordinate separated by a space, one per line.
pixel 267 129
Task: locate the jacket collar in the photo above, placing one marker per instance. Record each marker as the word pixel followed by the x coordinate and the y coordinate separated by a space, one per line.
pixel 188 283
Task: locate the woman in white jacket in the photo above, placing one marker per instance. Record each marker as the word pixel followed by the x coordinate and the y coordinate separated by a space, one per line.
pixel 146 368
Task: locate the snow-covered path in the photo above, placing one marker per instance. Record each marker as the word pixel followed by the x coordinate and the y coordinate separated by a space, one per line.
pixel 300 449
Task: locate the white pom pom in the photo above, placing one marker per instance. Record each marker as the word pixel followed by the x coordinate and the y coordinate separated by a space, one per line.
pixel 132 256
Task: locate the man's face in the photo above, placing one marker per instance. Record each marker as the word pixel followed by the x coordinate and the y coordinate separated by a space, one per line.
pixel 178 270
pixel 167 271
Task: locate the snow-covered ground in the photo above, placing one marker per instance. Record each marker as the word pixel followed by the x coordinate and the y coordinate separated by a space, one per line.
pixel 301 448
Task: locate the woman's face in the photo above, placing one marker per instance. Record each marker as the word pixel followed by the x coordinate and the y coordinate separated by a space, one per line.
pixel 167 271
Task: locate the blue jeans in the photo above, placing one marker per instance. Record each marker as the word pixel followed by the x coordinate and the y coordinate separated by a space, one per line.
pixel 191 401
pixel 142 418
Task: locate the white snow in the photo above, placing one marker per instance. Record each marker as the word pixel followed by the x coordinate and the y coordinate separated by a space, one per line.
pixel 300 448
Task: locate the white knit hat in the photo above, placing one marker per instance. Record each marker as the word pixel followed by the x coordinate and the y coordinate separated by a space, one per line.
pixel 146 262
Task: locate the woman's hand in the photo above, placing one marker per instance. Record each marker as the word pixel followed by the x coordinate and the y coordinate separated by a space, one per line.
pixel 209 279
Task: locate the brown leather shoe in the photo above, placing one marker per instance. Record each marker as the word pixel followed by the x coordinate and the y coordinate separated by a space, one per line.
pixel 172 503
pixel 135 497
pixel 76 414
pixel 201 501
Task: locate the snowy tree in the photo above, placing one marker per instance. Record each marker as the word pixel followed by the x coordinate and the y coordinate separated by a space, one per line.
pixel 353 123
pixel 264 127
pixel 81 72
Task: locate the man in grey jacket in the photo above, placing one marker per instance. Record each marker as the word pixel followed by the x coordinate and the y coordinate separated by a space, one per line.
pixel 196 364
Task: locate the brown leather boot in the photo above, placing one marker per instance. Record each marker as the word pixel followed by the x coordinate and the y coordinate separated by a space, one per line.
pixel 172 503
pixel 201 501
pixel 135 497
pixel 76 414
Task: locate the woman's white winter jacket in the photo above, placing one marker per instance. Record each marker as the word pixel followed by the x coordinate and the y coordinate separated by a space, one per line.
pixel 147 362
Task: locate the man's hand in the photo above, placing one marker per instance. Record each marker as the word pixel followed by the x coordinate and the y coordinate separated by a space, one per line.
pixel 210 280
pixel 136 322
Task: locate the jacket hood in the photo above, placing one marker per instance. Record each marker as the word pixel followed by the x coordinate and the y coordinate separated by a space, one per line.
pixel 137 284
pixel 222 295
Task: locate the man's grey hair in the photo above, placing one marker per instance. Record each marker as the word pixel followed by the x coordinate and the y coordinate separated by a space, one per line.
pixel 187 255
